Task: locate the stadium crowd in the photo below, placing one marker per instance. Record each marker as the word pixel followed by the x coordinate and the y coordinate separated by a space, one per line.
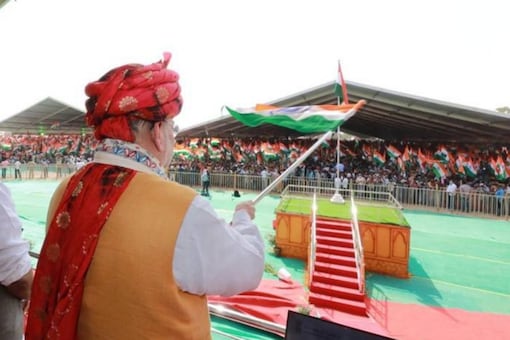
pixel 484 168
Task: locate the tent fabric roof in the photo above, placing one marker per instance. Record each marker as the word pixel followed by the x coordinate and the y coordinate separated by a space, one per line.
pixel 49 116
pixel 388 115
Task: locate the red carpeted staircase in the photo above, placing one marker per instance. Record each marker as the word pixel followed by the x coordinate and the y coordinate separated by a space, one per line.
pixel 334 282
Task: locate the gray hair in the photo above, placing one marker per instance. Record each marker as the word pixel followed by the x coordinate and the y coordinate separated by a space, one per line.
pixel 139 125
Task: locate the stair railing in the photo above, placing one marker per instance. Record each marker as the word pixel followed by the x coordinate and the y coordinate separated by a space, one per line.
pixel 394 202
pixel 358 246
pixel 313 239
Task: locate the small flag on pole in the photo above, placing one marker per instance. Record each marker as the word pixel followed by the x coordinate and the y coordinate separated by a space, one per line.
pixel 341 87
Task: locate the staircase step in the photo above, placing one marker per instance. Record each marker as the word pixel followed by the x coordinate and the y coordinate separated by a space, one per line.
pixel 337 280
pixel 337 233
pixel 336 291
pixel 343 305
pixel 349 261
pixel 333 241
pixel 337 225
pixel 336 269
pixel 329 249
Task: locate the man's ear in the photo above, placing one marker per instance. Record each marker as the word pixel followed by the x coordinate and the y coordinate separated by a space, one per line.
pixel 156 136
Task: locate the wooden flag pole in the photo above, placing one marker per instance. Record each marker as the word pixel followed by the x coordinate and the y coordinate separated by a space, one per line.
pixel 291 168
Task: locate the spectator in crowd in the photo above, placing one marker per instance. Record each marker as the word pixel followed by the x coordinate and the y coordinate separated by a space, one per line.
pixel 451 191
pixel 44 172
pixel 17 169
pixel 31 168
pixel 265 175
pixel 15 269
pixel 500 196
pixel 465 192
pixel 507 197
pixel 80 163
pixel 338 183
pixel 4 164
pixel 340 167
pixel 59 166
pixel 204 177
pixel 345 183
pixel 163 248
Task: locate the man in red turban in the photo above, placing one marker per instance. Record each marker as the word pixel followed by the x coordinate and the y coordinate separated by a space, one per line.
pixel 130 254
pixel 131 92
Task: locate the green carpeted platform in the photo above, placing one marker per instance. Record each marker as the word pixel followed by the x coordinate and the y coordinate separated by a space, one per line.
pixel 326 208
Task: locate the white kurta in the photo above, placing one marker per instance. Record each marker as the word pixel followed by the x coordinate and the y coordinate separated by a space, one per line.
pixel 211 256
pixel 14 257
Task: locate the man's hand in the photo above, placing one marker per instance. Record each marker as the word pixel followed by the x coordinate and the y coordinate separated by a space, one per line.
pixel 22 288
pixel 248 206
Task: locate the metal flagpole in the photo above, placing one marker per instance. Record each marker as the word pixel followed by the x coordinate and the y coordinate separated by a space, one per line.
pixel 291 168
pixel 337 196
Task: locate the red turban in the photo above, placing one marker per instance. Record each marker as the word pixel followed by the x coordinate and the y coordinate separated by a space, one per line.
pixel 148 92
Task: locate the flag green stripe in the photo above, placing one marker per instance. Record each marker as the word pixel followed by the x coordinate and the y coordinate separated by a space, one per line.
pixel 313 124
pixel 338 91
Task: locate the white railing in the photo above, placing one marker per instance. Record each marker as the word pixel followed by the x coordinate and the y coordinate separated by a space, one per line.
pixel 476 203
pixel 313 239
pixel 358 246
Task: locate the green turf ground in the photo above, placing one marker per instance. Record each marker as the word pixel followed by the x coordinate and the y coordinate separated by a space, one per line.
pixel 456 262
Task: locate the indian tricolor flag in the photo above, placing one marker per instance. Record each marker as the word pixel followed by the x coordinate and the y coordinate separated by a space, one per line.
pixel 470 168
pixel 193 143
pixel 438 170
pixel 304 119
pixel 268 152
pixel 405 155
pixel 215 142
pixel 392 151
pixel 500 169
pixel 459 164
pixel 183 153
pixel 341 87
pixel 238 157
pixel 400 164
pixel 200 153
pixel 422 160
pixel 367 150
pixel 443 154
pixel 283 148
pixel 379 158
